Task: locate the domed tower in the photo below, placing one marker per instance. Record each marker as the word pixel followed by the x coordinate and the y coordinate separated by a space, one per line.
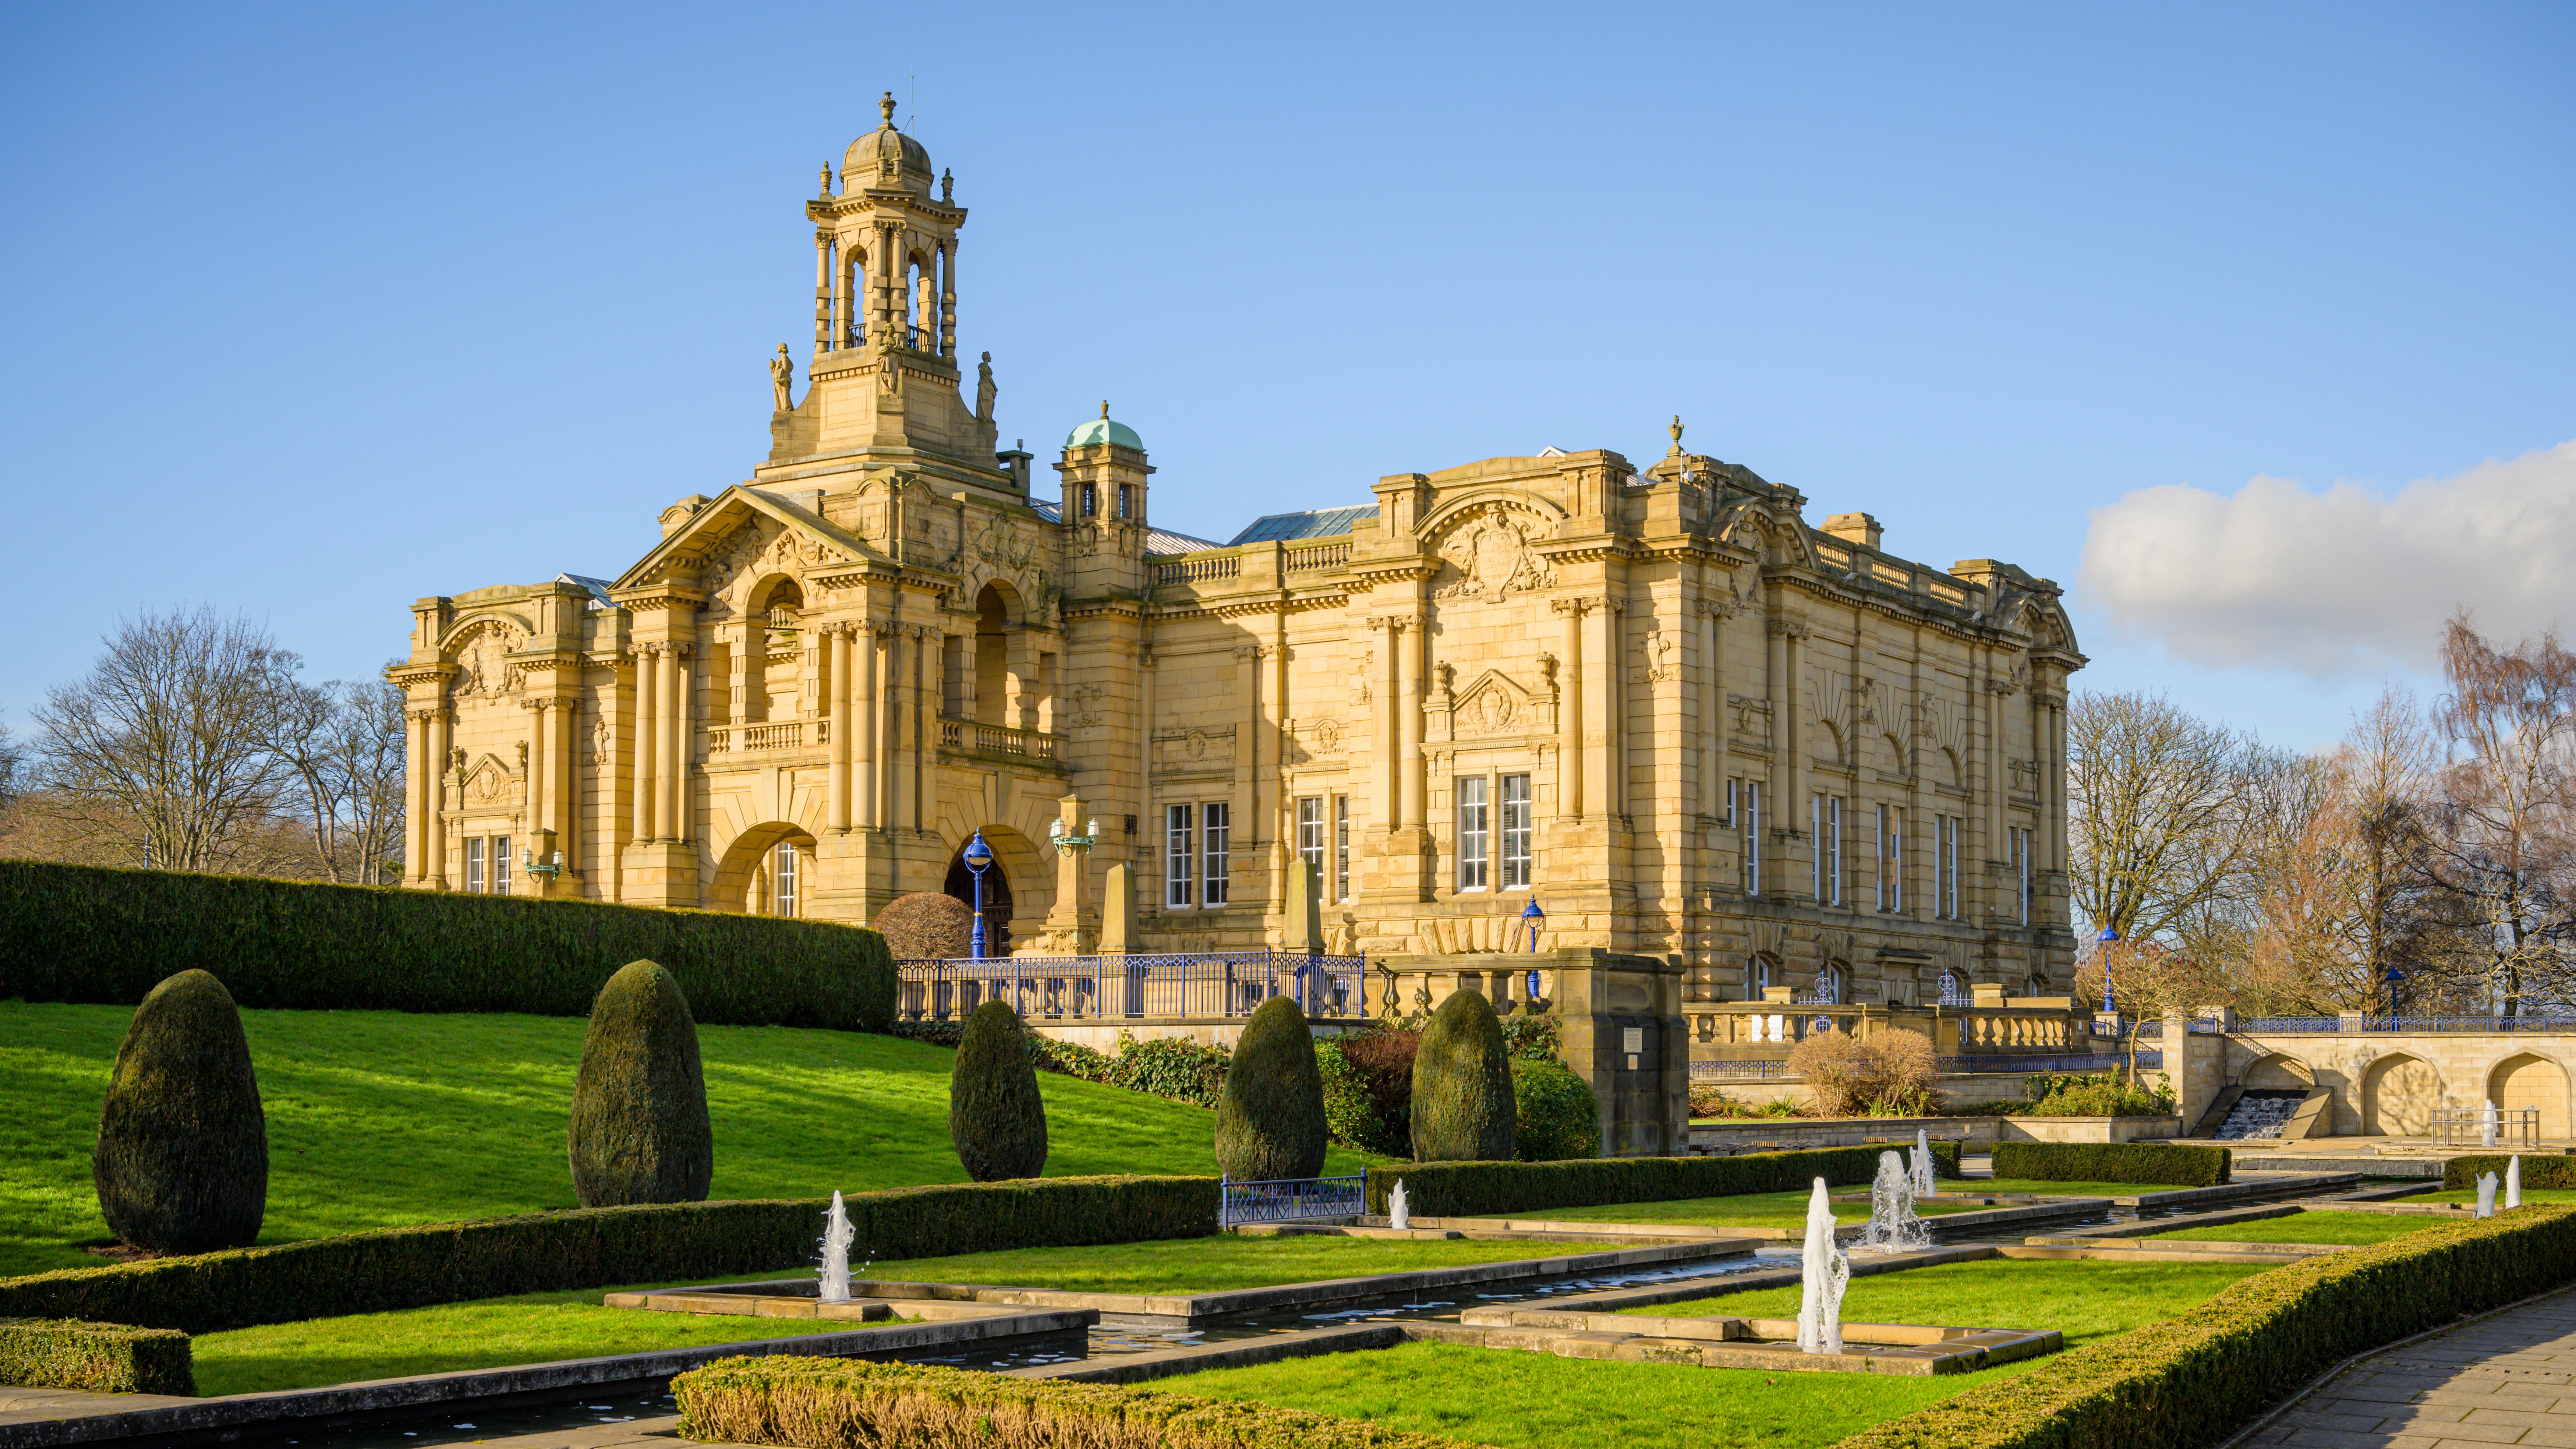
pixel 1104 473
pixel 884 373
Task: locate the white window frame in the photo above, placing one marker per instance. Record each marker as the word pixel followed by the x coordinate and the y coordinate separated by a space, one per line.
pixel 1216 852
pixel 1473 827
pixel 1825 859
pixel 1752 837
pixel 500 865
pixel 2021 867
pixel 1341 847
pixel 1517 793
pixel 1310 837
pixel 474 865
pixel 1180 854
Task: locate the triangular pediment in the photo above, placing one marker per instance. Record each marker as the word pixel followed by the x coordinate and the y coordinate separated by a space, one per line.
pixel 1494 704
pixel 717 532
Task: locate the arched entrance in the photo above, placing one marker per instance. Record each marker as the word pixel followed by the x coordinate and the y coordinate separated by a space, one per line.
pixel 2532 1081
pixel 2280 1073
pixel 2398 1095
pixel 997 897
pixel 767 871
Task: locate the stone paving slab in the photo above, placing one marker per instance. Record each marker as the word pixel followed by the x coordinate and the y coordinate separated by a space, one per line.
pixel 2506 1379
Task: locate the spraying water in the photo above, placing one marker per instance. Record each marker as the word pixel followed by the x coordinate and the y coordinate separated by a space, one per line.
pixel 1397 1211
pixel 1826 1273
pixel 2513 1182
pixel 835 1286
pixel 1892 1222
pixel 1923 1185
pixel 2486 1194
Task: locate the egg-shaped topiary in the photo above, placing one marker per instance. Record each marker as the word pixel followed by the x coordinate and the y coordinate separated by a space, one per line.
pixel 995 1115
pixel 1270 1121
pixel 182 1158
pixel 927 926
pixel 640 1131
pixel 1462 1085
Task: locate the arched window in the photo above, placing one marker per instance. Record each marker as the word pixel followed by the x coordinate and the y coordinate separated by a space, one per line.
pixel 1757 978
pixel 1952 992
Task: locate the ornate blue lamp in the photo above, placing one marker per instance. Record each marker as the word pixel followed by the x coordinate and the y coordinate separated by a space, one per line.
pixel 978 857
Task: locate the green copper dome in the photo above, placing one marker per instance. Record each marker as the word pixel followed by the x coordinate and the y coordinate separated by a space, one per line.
pixel 1102 430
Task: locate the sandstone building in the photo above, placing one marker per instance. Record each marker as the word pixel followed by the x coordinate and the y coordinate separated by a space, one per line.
pixel 1693 726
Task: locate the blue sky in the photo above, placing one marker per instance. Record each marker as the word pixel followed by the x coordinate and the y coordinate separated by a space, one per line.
pixel 313 311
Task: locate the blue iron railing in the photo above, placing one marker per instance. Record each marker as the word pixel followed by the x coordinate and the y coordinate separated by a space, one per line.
pixel 2065 1062
pixel 2289 1023
pixel 1110 988
pixel 1290 1199
pixel 2324 1025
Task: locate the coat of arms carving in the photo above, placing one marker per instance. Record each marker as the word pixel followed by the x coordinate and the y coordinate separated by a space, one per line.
pixel 1490 549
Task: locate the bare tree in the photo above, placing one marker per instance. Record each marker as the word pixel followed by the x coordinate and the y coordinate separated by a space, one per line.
pixel 344 744
pixel 2506 841
pixel 169 733
pixel 13 767
pixel 2156 801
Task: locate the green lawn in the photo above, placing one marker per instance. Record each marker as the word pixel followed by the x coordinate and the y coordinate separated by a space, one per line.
pixel 538 1327
pixel 2308 1227
pixel 2468 1196
pixel 376 1119
pixel 1742 1210
pixel 1538 1401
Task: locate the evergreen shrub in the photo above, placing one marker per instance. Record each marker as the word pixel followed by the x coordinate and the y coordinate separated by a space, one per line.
pixel 1490 1189
pixel 181 1164
pixel 640 1130
pixel 1555 1115
pixel 2189 1381
pixel 821 1403
pixel 995 1115
pixel 2552 1170
pixel 1462 1085
pixel 1350 1113
pixel 91 934
pixel 413 1267
pixel 98 1358
pixel 1270 1120
pixel 2178 1164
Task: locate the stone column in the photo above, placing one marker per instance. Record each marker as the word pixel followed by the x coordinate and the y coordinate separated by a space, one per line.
pixel 435 851
pixel 822 291
pixel 1390 731
pixel 668 752
pixel 1713 613
pixel 921 726
pixel 1569 708
pixel 948 300
pixel 540 796
pixel 1408 719
pixel 1601 712
pixel 645 749
pixel 867 772
pixel 836 791
pixel 563 778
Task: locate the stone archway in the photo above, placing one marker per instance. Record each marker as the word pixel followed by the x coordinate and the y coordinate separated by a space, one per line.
pixel 2531 1080
pixel 2398 1095
pixel 997 896
pixel 750 876
pixel 2279 1072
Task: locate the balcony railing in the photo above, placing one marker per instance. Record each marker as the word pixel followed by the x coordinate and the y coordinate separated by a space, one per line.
pixel 1318 556
pixel 1196 569
pixel 1114 988
pixel 1775 1070
pixel 984 739
pixel 754 739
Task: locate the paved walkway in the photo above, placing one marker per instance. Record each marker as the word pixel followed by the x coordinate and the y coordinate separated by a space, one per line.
pixel 2508 1379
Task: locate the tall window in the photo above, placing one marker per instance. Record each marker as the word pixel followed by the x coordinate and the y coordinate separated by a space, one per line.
pixel 1341 847
pixel 2021 868
pixel 1310 837
pixel 1216 829
pixel 785 875
pixel 1516 831
pixel 1891 857
pixel 1729 821
pixel 1126 500
pixel 1179 855
pixel 1945 866
pixel 500 865
pixel 474 865
pixel 1752 837
pixel 1757 978
pixel 1090 500
pixel 1474 835
pixel 1825 862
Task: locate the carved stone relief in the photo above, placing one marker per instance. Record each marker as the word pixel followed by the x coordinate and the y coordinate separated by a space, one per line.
pixel 483 662
pixel 1489 547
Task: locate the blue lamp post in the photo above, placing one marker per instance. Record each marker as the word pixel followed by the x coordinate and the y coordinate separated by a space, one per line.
pixel 978 858
pixel 2108 937
pixel 1533 920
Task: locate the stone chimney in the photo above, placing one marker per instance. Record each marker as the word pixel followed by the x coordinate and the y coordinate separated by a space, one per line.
pixel 1857 528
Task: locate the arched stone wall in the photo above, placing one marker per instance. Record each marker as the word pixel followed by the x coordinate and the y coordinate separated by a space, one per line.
pixel 2528 1079
pixel 2279 1071
pixel 742 861
pixel 2398 1094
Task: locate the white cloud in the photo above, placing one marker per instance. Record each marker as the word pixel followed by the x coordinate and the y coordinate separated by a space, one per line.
pixel 2341 581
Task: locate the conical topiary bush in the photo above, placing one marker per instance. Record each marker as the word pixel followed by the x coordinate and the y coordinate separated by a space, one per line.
pixel 182 1159
pixel 994 1113
pixel 1462 1085
pixel 640 1131
pixel 1270 1122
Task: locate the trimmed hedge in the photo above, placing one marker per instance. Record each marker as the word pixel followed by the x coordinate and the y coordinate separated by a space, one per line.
pixel 640 1131
pixel 2537 1171
pixel 2188 1381
pixel 181 1163
pixel 101 1358
pixel 1484 1189
pixel 596 1247
pixel 2158 1162
pixel 831 1403
pixel 91 934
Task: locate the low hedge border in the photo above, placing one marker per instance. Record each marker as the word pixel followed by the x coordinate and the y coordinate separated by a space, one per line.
pixel 2190 1380
pixel 102 1358
pixel 595 1247
pixel 1483 1189
pixel 819 1403
pixel 95 934
pixel 2553 1170
pixel 2155 1162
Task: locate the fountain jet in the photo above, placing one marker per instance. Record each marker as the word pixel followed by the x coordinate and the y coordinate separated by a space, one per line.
pixel 1826 1272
